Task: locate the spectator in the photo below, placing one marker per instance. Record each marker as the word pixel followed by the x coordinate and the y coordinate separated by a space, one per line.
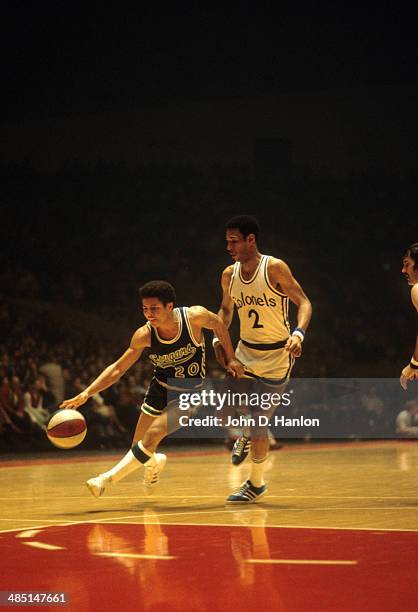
pixel 33 402
pixel 54 376
pixel 373 419
pixel 407 420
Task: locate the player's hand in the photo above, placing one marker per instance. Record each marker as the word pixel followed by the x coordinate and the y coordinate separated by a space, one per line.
pixel 407 373
pixel 76 401
pixel 235 369
pixel 294 346
pixel 220 355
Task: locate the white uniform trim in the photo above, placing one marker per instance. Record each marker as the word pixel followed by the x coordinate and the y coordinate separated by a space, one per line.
pixel 234 271
pixel 266 275
pixel 190 329
pixel 247 282
pixel 177 315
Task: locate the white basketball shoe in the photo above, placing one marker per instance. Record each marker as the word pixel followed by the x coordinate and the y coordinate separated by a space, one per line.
pixel 97 485
pixel 152 472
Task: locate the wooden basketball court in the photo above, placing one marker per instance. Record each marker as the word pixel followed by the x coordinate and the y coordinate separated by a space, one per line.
pixel 338 530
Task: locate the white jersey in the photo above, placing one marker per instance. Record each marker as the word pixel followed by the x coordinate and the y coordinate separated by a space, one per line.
pixel 262 309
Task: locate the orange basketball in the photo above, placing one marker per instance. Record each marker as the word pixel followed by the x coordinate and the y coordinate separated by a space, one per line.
pixel 66 428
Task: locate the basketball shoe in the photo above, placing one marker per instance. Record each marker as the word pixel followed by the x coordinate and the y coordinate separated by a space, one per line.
pixel 97 485
pixel 240 450
pixel 152 472
pixel 247 493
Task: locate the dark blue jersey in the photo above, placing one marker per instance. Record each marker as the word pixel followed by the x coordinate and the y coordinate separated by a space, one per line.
pixel 180 358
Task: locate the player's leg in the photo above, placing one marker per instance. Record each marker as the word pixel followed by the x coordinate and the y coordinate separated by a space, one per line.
pixel 162 426
pixel 241 447
pixel 276 366
pixel 144 423
pixel 242 444
pixel 154 434
pixel 138 455
pixel 255 487
pixel 239 437
pixel 259 453
pixel 150 431
pixel 153 425
pixel 151 409
pixel 149 438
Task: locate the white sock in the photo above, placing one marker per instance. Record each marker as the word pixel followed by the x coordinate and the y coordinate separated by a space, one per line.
pixel 257 471
pixel 128 464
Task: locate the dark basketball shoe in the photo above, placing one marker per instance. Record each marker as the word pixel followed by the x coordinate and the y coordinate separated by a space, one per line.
pixel 247 493
pixel 240 450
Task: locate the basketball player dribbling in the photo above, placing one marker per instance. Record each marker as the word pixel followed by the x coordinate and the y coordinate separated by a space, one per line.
pixel 410 269
pixel 177 345
pixel 259 287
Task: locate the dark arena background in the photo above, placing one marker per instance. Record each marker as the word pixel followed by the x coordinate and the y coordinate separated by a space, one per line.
pixel 129 137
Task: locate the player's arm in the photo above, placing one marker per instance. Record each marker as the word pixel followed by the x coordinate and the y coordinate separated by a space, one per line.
pixel 414 298
pixel 114 371
pixel 225 313
pixel 201 317
pixel 226 309
pixel 281 276
pixel 411 370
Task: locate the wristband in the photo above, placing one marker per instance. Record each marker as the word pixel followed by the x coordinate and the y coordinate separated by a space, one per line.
pixel 215 340
pixel 413 364
pixel 299 332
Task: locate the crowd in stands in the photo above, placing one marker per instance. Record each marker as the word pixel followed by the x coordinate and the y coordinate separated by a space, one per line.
pixel 343 239
pixel 35 377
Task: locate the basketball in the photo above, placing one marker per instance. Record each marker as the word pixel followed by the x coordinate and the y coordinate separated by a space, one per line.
pixel 66 428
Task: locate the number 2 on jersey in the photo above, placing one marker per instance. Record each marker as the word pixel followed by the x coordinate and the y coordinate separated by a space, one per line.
pixel 256 324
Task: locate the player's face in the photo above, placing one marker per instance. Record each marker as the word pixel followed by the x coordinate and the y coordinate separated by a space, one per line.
pixel 155 312
pixel 238 246
pixel 409 271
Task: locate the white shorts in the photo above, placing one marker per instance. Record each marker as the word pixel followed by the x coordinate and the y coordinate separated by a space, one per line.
pixel 276 364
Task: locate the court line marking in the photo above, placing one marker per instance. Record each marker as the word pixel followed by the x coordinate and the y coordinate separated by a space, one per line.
pixel 214 511
pixel 283 526
pixel 45 526
pixel 301 561
pixel 44 546
pixel 186 496
pixel 117 521
pixel 23 520
pixel 135 556
pixel 335 509
pixel 30 533
pixel 297 447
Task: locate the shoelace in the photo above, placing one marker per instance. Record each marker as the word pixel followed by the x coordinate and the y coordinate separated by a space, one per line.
pixel 241 445
pixel 244 488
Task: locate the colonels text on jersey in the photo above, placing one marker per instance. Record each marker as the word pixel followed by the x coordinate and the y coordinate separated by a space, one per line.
pixel 263 310
pixel 181 357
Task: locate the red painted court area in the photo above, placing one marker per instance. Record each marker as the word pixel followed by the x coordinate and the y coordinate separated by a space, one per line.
pixel 188 567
